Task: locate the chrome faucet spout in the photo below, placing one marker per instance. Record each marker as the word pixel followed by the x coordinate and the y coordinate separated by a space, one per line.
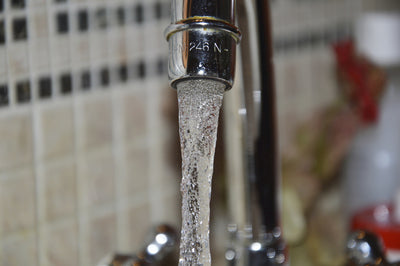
pixel 266 154
pixel 202 41
pixel 202 45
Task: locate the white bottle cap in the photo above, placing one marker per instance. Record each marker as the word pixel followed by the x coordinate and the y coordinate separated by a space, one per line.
pixel 377 36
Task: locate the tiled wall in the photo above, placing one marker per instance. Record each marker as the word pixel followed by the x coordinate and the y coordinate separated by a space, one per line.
pixel 84 134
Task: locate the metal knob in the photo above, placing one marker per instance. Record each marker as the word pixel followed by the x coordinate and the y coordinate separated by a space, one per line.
pixel 163 242
pixel 271 251
pixel 365 248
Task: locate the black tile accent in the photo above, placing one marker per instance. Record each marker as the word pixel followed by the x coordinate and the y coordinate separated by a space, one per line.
pixel 23 90
pixel 315 38
pixel 83 20
pixel 62 23
pixel 158 12
pixel 1 5
pixel 123 73
pixel 2 32
pixel 121 15
pixel 104 77
pixel 66 83
pixel 60 1
pixel 329 36
pixel 101 18
pixel 141 70
pixel 85 80
pixel 3 95
pixel 161 66
pixel 45 89
pixel 166 9
pixel 139 13
pixel 20 29
pixel 17 3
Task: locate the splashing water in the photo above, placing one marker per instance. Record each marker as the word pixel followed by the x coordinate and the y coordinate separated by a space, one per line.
pixel 199 105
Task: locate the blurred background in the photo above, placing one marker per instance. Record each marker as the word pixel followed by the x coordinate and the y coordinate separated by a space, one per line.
pixel 89 153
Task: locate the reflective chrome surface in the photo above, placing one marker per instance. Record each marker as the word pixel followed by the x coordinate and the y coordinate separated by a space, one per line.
pixel 202 41
pixel 163 242
pixel 365 248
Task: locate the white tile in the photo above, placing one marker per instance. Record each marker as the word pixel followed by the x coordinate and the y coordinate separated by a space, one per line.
pixel 39 23
pixel 60 191
pixel 136 181
pixel 16 147
pixel 102 238
pixel 19 250
pixel 17 202
pixel 97 122
pixel 18 57
pixel 119 48
pixel 139 226
pixel 60 51
pixel 99 46
pixel 60 245
pixel 57 124
pixel 80 49
pixel 135 115
pixel 40 54
pixel 98 180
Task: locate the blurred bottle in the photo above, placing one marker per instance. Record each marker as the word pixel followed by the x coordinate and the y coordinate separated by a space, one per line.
pixel 371 175
pixel 372 168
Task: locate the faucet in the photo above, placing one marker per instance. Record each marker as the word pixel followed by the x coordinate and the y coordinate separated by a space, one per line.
pixel 202 45
pixel 365 248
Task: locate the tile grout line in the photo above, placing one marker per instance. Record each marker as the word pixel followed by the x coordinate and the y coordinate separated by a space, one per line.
pixel 6 20
pixel 75 116
pixel 119 153
pixel 117 139
pixel 37 147
pixel 156 88
pixel 151 118
pixel 119 164
pixel 7 25
pixel 81 215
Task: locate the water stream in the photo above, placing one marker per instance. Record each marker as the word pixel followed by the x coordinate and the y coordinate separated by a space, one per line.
pixel 199 105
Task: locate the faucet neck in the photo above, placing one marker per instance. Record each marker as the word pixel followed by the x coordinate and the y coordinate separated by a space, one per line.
pixel 221 9
pixel 266 154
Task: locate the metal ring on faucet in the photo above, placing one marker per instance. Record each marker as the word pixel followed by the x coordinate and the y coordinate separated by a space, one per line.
pixel 202 47
pixel 203 23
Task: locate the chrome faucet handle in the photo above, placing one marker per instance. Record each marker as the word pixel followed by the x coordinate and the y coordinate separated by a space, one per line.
pixel 269 251
pixel 164 241
pixel 365 248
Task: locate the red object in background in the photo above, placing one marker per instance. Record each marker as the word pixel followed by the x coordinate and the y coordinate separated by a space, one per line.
pixel 356 71
pixel 380 220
